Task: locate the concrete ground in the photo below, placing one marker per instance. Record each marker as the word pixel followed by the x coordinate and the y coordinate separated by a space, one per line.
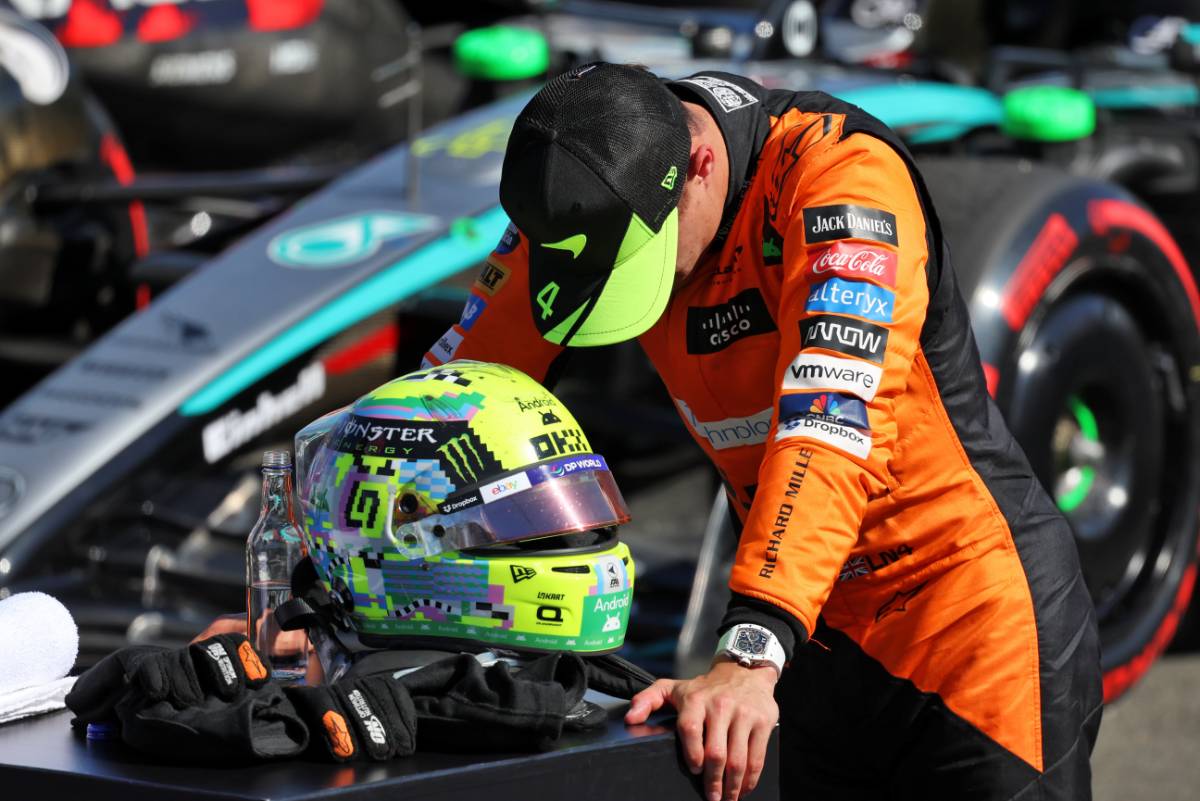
pixel 1149 746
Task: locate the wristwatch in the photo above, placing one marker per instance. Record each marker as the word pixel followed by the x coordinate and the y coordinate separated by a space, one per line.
pixel 750 646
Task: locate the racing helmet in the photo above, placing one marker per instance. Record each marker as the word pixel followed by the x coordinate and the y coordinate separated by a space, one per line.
pixel 463 504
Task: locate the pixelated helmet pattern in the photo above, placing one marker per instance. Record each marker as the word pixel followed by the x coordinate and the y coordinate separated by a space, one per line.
pixel 407 494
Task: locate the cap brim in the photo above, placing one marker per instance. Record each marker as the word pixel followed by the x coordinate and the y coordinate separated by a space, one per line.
pixel 635 294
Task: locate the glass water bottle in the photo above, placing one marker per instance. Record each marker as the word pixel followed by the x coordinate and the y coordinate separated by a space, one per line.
pixel 272 551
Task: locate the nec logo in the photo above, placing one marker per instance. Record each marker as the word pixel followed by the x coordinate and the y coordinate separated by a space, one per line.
pixel 714 328
pixel 864 340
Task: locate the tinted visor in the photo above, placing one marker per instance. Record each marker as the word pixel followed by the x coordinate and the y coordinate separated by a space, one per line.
pixel 567 495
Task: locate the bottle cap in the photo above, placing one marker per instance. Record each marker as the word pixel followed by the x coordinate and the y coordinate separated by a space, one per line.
pixel 277 459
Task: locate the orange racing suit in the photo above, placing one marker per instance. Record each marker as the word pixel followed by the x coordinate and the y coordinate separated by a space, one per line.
pixel 822 357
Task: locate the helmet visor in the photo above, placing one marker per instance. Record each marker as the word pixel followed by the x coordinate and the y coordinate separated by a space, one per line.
pixel 568 495
pixel 572 494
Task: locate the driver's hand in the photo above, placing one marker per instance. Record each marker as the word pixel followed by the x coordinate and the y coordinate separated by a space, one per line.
pixel 282 642
pixel 725 720
pixel 233 623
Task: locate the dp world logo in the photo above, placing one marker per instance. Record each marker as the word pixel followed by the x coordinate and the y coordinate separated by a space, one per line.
pixel 347 240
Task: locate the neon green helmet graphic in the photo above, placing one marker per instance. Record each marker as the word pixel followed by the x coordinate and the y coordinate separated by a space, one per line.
pixel 427 504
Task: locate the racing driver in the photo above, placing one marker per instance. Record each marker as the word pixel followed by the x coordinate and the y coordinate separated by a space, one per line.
pixel 900 571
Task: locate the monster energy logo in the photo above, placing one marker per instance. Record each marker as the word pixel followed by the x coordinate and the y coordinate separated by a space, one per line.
pixel 466 457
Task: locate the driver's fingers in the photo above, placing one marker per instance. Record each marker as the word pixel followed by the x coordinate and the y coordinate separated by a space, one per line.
pixel 735 757
pixel 716 745
pixel 756 755
pixel 649 700
pixel 690 727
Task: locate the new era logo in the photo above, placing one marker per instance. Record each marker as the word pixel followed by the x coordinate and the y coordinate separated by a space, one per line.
pixel 519 573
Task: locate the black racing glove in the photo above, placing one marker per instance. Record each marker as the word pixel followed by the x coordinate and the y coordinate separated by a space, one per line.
pixel 370 717
pixel 224 666
pixel 211 700
pixel 461 704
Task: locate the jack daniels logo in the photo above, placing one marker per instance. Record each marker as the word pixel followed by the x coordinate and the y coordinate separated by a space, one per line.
pixel 463 456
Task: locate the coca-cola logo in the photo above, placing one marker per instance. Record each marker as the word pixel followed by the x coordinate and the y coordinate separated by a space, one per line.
pixel 857 261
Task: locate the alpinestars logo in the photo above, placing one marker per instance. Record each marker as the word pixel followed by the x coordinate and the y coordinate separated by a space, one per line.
pixel 864 340
pixel 826 223
pixel 713 328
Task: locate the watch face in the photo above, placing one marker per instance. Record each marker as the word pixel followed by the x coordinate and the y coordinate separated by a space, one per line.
pixel 751 641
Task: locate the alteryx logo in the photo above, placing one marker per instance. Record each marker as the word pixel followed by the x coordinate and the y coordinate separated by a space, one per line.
pixel 852 297
pixel 347 240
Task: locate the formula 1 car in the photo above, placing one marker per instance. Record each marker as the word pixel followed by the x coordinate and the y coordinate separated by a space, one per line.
pixel 1062 180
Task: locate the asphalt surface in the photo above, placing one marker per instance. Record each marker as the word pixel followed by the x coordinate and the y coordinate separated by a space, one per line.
pixel 1149 744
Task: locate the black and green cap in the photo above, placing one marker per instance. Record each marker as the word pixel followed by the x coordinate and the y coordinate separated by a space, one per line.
pixel 593 173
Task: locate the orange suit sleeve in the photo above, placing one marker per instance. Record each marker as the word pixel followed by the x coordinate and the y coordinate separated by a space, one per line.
pixel 851 310
pixel 496 324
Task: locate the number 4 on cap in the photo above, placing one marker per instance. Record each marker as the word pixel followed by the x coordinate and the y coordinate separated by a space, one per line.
pixel 545 299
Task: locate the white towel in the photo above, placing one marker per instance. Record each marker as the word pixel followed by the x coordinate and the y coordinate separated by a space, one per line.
pixel 38 641
pixel 34 700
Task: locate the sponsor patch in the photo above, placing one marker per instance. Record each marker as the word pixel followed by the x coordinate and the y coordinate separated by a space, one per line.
pixel 251 663
pixel 854 338
pixel 509 485
pixel 852 297
pixel 713 328
pixel 447 345
pixel 847 221
pixel 731 96
pixel 867 564
pixel 218 654
pixel 474 307
pixel 612 574
pixel 508 240
pixel 817 371
pixel 338 734
pixel 851 260
pixel 558 443
pixel 730 432
pixel 829 406
pixel 492 278
pixel 844 438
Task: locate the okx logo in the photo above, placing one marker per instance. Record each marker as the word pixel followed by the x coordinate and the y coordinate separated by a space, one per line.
pixel 558 443
pixel 713 328
pixel 854 338
pixel 467 460
pixel 830 406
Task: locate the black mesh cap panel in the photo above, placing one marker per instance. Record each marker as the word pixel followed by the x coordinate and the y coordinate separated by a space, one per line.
pixel 622 125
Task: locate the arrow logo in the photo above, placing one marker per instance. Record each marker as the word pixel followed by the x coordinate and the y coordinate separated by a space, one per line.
pixel 574 244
